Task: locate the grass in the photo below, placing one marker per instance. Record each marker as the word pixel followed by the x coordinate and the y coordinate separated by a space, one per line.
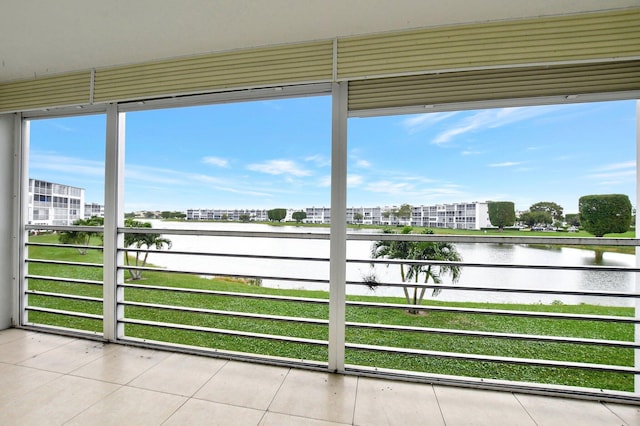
pixel 395 316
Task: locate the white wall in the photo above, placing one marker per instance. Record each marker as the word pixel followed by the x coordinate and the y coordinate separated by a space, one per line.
pixel 6 215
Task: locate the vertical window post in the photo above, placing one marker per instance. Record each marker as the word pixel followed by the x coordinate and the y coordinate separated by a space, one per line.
pixel 338 243
pixel 113 219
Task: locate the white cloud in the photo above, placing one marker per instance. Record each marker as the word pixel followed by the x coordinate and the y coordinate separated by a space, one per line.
pixel 471 152
pixel 618 166
pixel 363 164
pixel 216 161
pixel 279 167
pixel 491 119
pixel 354 180
pixel 319 160
pixel 416 123
pixel 615 173
pixel 506 164
pixel 68 165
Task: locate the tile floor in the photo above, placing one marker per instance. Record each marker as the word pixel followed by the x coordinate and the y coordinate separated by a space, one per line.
pixel 54 380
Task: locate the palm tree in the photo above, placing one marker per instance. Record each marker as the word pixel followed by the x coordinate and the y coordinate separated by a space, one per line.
pixel 81 238
pixel 419 250
pixel 141 241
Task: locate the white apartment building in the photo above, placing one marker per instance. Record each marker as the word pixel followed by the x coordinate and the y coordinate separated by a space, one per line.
pixel 473 215
pixel 257 215
pixel 54 204
pixel 318 215
pixel 93 209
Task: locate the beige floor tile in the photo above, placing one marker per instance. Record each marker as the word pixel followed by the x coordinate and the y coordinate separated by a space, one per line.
pixel 277 419
pixel 121 364
pixel 53 403
pixel 461 406
pixel 322 396
pixel 630 414
pixel 130 406
pixel 199 412
pixel 385 402
pixel 11 334
pixel 179 374
pixel 31 345
pixel 244 384
pixel 69 357
pixel 563 411
pixel 15 379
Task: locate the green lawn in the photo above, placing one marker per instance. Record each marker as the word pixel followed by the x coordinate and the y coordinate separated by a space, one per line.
pixel 319 310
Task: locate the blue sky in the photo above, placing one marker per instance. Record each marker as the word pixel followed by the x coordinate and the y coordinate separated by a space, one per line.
pixel 276 153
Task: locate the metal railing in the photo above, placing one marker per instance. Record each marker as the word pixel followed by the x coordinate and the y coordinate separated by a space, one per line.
pixel 583 350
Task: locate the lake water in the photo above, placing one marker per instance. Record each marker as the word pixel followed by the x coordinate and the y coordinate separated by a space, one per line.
pixel 490 253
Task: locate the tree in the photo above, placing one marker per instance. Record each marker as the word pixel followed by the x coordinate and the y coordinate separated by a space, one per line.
pixel 82 238
pixel 141 241
pixel 605 213
pixel 244 217
pixel 501 214
pixel 224 216
pixel 357 217
pixel 299 216
pixel 166 214
pixel 573 219
pixel 555 210
pixel 404 212
pixel 276 215
pixel 536 218
pixel 412 273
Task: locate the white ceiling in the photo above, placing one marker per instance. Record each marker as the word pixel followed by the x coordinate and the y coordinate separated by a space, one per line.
pixel 40 37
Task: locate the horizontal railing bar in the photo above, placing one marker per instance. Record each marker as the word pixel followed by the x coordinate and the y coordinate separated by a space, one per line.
pixel 238 255
pixel 218 233
pixel 235 314
pixel 396 261
pixel 496 265
pixel 64 296
pixel 497 359
pixel 224 332
pixel 62 262
pixel 502 289
pixel 63 280
pixel 485 334
pixel 62 312
pixel 353 236
pixel 214 274
pixel 545 389
pixel 224 353
pixel 497 239
pixel 532 314
pixel 227 293
pixel 400 285
pixel 64 228
pixel 529 314
pixel 75 246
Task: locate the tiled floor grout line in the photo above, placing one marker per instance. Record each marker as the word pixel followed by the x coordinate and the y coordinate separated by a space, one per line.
pixel 613 412
pixel 524 408
pixel 192 396
pixel 98 401
pixel 435 394
pixel 355 402
pixel 275 394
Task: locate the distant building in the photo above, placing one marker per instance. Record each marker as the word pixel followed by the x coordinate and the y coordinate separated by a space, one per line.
pixel 93 209
pixel 257 215
pixel 455 216
pixel 54 204
pixel 473 215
